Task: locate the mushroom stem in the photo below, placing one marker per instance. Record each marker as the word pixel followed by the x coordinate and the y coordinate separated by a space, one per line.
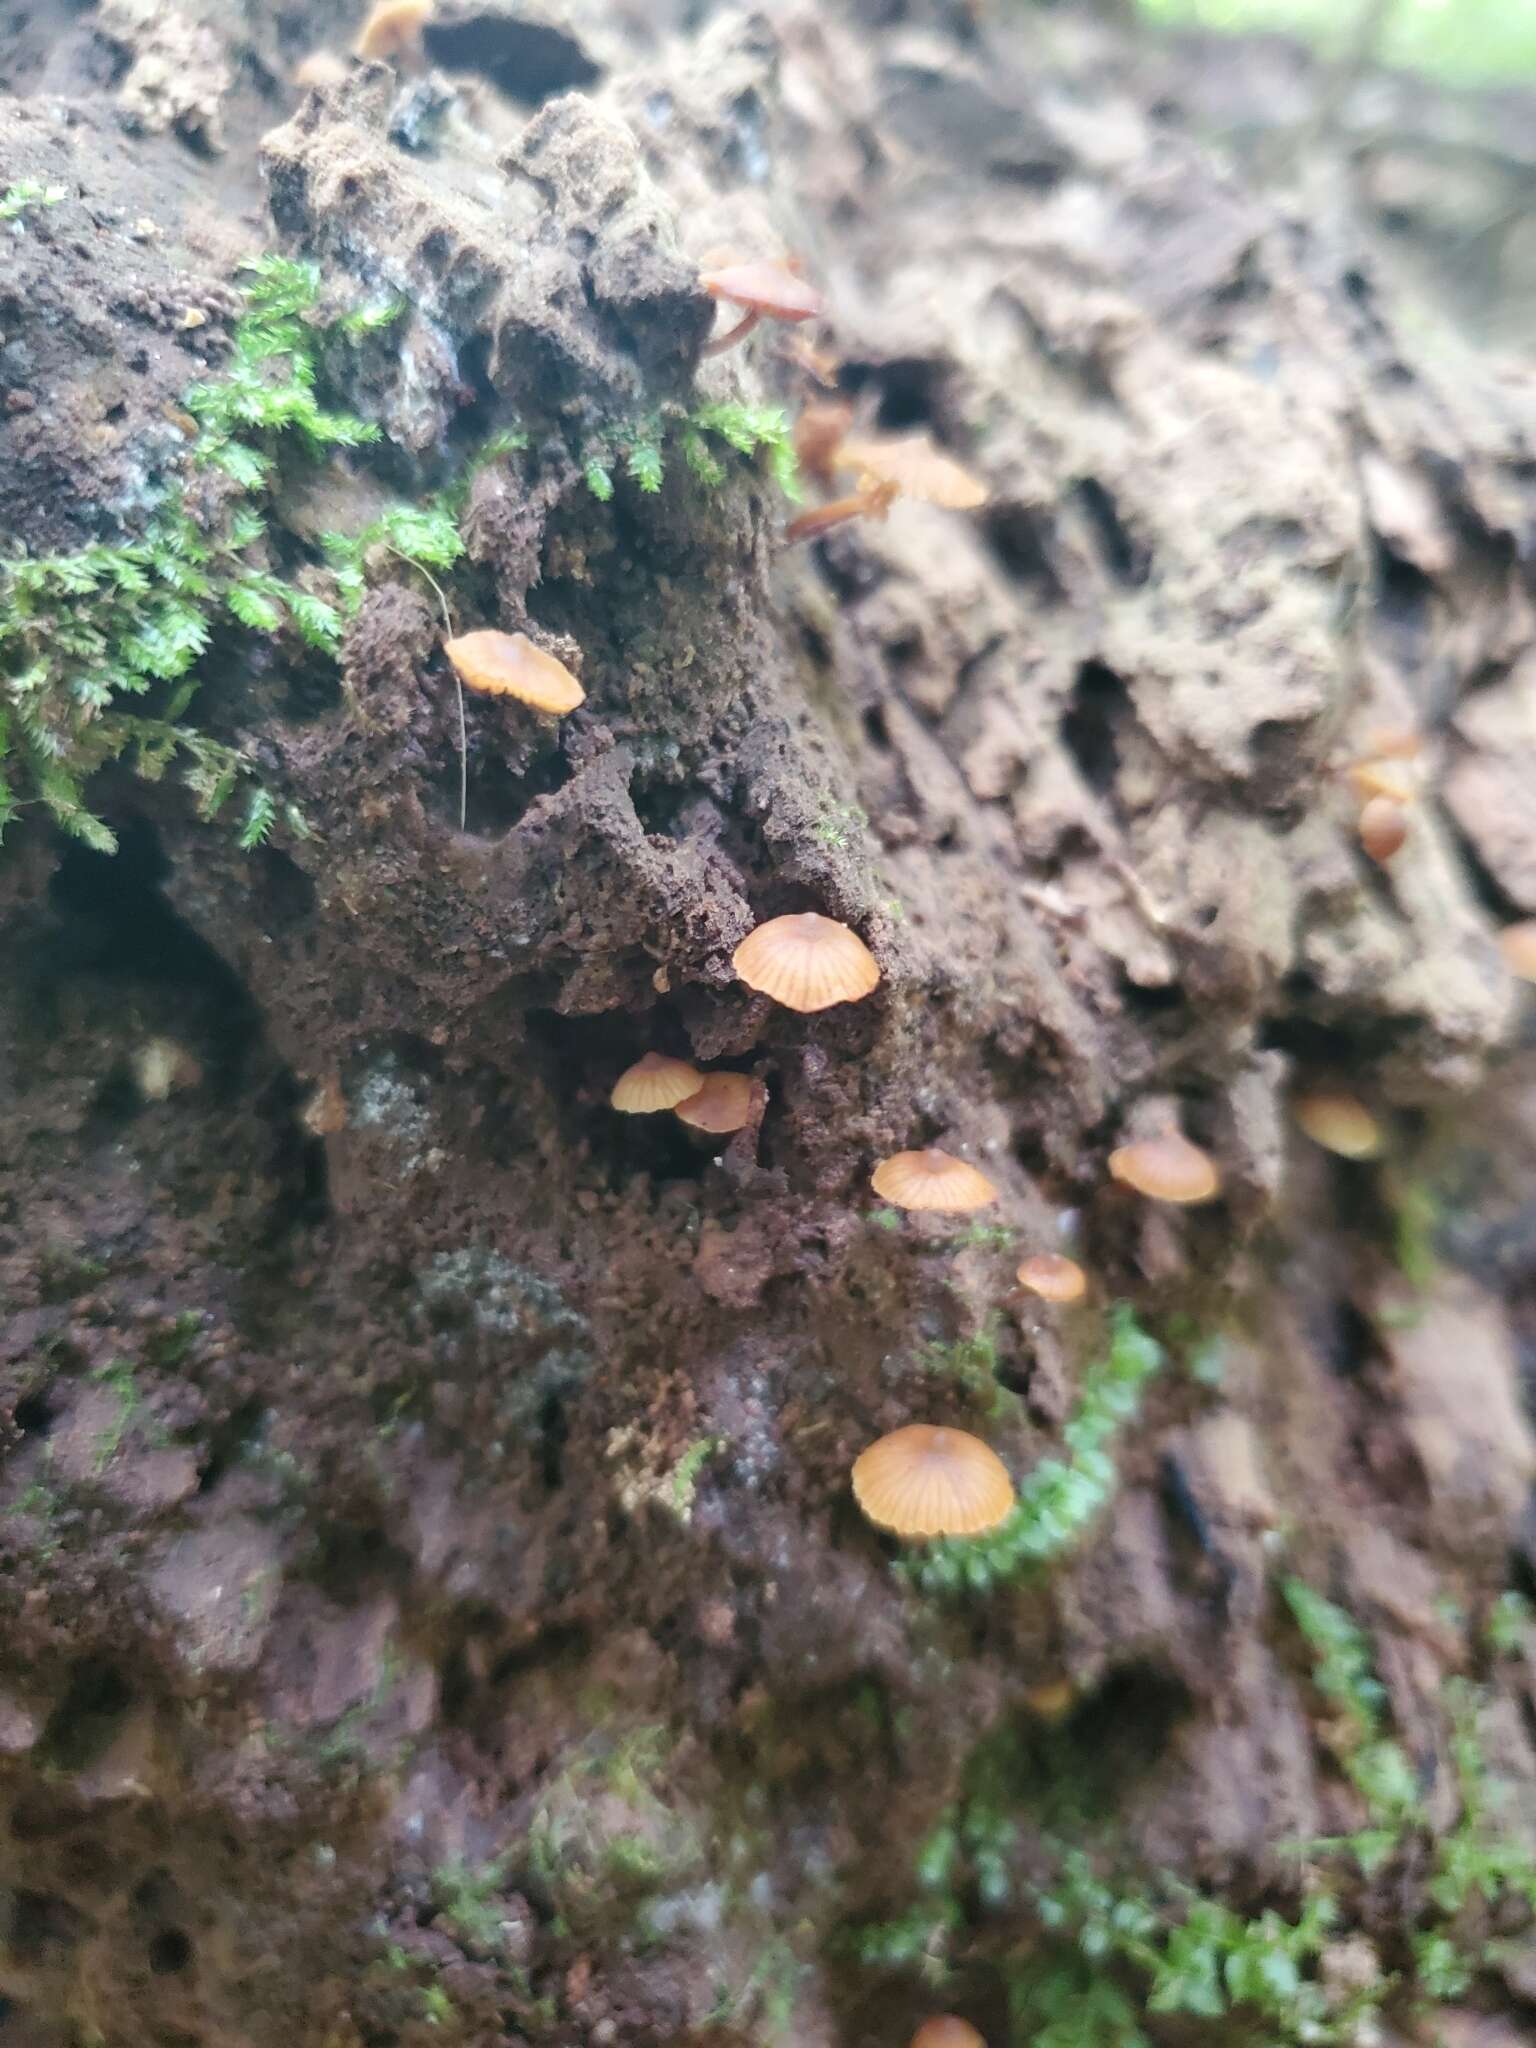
pixel 870 501
pixel 457 684
pixel 732 335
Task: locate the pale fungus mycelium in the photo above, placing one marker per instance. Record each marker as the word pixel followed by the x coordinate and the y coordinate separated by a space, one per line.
pixel 496 664
pixel 1167 1169
pixel 724 1102
pixel 763 291
pixel 932 1179
pixel 1054 1277
pixel 807 962
pixel 923 1481
pixel 653 1083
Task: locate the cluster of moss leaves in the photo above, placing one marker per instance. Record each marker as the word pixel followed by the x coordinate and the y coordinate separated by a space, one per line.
pixel 640 447
pixel 1108 1954
pixel 98 648
pixel 1062 1496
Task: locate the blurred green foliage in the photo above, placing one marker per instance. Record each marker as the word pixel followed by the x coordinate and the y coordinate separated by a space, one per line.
pixel 1484 42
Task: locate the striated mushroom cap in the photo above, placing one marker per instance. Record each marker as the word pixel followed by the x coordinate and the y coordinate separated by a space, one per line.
pixel 393 28
pixel 509 665
pixel 1167 1169
pixel 723 1103
pixel 654 1082
pixel 931 1179
pixel 916 467
pixel 1053 1277
pixel 1339 1123
pixel 1517 942
pixel 923 1481
pixel 767 288
pixel 1383 828
pixel 945 2030
pixel 806 962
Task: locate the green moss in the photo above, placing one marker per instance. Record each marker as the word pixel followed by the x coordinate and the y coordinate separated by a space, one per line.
pixel 469 1899
pixel 1061 1497
pixel 28 192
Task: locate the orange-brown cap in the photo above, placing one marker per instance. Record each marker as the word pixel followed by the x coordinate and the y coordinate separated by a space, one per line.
pixel 931 1179
pixel 1395 743
pixel 392 28
pixel 1517 942
pixel 1168 1169
pixel 945 2030
pixel 1339 1123
pixel 806 962
pixel 509 665
pixel 723 1103
pixel 922 1481
pixel 767 288
pixel 1383 827
pixel 1053 1277
pixel 819 433
pixel 917 468
pixel 654 1082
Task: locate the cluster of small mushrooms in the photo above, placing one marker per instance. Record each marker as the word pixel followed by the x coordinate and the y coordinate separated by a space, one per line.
pixel 921 1481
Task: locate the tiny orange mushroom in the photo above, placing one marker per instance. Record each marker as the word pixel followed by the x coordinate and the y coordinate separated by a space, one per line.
pixel 1053 1276
pixel 1167 1169
pixel 509 665
pixel 923 1481
pixel 724 1102
pixel 1383 828
pixel 807 962
pixel 763 290
pixel 947 2030
pixel 872 500
pixel 653 1083
pixel 932 1179
pixel 918 469
pixel 321 69
pixel 1517 942
pixel 1339 1122
pixel 393 29
pixel 819 433
pixel 1394 779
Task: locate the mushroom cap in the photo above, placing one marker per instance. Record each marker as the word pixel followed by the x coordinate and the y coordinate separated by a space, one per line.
pixel 1168 1169
pixel 923 1481
pixel 1517 942
pixel 1383 827
pixel 1053 1276
pixel 807 962
pixel 917 468
pixel 819 433
pixel 763 287
pixel 393 26
pixel 1339 1123
pixel 322 68
pixel 724 1102
pixel 509 665
pixel 946 2030
pixel 654 1082
pixel 931 1179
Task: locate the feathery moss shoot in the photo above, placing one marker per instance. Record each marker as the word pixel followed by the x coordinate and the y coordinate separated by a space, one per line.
pixel 1061 1497
pixel 98 649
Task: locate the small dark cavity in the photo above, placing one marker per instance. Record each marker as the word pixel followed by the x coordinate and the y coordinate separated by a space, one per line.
pixel 1020 540
pixel 1100 706
pixel 170 1952
pixel 84 1724
pixel 1346 1340
pixel 1126 559
pixel 229 1443
pixel 286 893
pixel 746 150
pixel 908 390
pixel 40 1923
pixel 34 1414
pixel 875 731
pixel 528 60
pixel 554 1429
